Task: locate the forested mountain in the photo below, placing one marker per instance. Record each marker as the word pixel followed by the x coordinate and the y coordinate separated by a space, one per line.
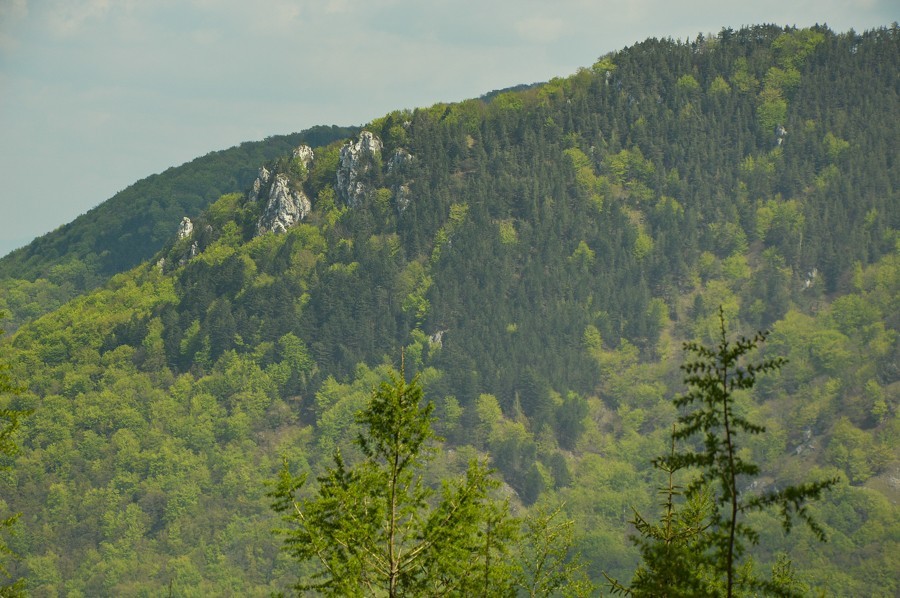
pixel 132 225
pixel 536 256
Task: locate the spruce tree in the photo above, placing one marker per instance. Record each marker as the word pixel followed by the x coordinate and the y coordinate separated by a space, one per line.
pixel 699 547
pixel 375 528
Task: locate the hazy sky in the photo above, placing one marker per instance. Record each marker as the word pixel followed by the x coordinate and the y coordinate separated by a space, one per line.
pixel 96 94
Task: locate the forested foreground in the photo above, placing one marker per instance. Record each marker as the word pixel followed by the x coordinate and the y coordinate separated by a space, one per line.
pixel 537 258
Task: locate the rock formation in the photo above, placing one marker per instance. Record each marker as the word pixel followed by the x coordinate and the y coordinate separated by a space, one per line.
pixel 185 228
pixel 262 179
pixel 285 207
pixel 780 134
pixel 403 197
pixel 305 153
pixel 356 159
pixel 400 158
pixel 397 169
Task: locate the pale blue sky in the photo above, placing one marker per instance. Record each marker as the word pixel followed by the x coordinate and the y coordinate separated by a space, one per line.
pixel 96 94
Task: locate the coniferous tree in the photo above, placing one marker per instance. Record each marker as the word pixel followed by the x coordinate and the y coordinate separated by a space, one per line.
pixel 375 528
pixel 709 542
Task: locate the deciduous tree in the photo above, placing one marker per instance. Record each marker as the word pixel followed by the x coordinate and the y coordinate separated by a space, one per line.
pixel 9 423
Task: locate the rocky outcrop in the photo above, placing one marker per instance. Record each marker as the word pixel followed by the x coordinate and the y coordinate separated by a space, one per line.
pixel 285 207
pixel 436 340
pixel 810 278
pixel 187 256
pixel 398 174
pixel 185 228
pixel 400 159
pixel 780 134
pixel 403 196
pixel 262 179
pixel 356 159
pixel 305 153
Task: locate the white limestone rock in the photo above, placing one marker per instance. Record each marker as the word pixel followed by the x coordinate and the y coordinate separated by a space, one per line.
pixel 403 197
pixel 400 159
pixel 305 153
pixel 185 228
pixel 356 159
pixel 285 207
pixel 436 340
pixel 398 171
pixel 191 253
pixel 262 179
pixel 780 134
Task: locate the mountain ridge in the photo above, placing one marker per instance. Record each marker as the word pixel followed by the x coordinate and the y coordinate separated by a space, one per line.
pixel 180 189
pixel 550 249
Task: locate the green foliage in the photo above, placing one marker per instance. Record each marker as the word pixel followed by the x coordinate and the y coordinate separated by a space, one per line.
pixel 643 245
pixel 794 47
pixel 670 565
pixel 700 551
pixel 742 78
pixel 135 223
pixel 687 84
pixel 835 146
pixel 787 81
pixel 583 255
pixel 161 397
pixel 584 174
pixel 546 567
pixel 719 87
pixel 10 417
pixel 413 286
pixel 507 230
pixel 444 236
pixel 507 102
pixel 373 529
pixel 772 109
pixel 604 65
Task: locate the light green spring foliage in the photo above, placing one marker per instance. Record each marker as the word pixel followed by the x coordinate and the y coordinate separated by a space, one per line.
pixel 374 528
pixel 9 424
pixel 162 401
pixel 546 566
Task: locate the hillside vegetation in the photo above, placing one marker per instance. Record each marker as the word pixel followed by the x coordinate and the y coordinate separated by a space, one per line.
pixel 536 257
pixel 131 226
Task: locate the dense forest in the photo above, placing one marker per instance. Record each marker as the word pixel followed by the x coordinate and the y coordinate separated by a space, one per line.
pixel 535 257
pixel 133 225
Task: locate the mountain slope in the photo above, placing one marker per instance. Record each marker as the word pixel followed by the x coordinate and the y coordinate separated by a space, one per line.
pixel 536 257
pixel 132 225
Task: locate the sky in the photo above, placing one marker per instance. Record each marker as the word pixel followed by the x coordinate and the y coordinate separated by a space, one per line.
pixel 97 94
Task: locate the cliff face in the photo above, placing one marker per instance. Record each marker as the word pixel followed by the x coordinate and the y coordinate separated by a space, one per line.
pixel 185 229
pixel 286 203
pixel 262 180
pixel 398 167
pixel 360 164
pixel 356 160
pixel 285 207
